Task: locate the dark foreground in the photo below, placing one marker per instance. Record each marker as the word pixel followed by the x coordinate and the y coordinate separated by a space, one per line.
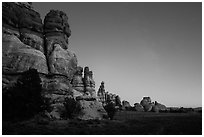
pixel 124 123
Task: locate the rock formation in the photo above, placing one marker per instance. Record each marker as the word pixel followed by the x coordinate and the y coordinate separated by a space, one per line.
pixel 56 31
pixel 147 104
pixel 125 105
pixel 151 106
pixel 101 93
pixel 27 44
pixel 22 39
pixel 78 83
pixel 89 108
pixel 138 107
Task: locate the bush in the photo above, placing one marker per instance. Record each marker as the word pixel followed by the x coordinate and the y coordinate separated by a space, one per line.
pixel 24 100
pixel 110 109
pixel 70 105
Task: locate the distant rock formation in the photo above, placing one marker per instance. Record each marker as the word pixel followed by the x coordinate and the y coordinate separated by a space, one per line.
pixel 138 107
pixel 125 105
pixel 106 97
pixel 89 83
pixel 151 106
pixel 27 44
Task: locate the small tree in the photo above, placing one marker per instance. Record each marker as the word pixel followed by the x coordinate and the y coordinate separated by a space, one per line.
pixel 110 109
pixel 24 99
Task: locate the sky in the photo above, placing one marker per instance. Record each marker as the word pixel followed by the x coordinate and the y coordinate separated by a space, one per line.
pixel 139 49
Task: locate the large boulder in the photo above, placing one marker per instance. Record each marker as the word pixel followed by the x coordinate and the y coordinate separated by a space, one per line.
pixel 161 107
pixel 147 104
pixel 138 107
pixel 125 105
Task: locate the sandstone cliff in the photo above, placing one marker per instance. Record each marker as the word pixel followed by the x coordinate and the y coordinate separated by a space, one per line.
pixel 28 43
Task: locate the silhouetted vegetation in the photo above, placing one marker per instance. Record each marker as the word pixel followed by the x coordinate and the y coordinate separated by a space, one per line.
pixel 110 109
pixel 70 105
pixel 24 99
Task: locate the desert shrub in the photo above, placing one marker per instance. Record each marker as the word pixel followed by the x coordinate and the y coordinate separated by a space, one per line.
pixel 110 109
pixel 24 100
pixel 70 105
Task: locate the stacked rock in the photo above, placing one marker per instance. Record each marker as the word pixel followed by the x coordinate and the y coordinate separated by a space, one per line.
pixel 89 83
pixel 101 93
pixel 78 83
pixel 22 41
pixel 138 107
pixel 151 106
pixel 57 31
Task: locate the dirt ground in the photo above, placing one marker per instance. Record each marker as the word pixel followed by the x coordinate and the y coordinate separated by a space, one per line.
pixel 124 123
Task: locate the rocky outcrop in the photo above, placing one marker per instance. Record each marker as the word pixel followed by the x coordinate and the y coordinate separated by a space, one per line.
pixel 138 107
pixel 101 94
pixel 55 90
pixel 89 83
pixel 146 103
pixel 56 31
pixel 151 106
pixel 22 41
pixel 27 44
pixel 161 107
pixel 89 108
pixel 125 105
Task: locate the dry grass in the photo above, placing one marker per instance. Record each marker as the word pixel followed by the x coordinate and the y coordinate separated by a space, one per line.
pixel 124 123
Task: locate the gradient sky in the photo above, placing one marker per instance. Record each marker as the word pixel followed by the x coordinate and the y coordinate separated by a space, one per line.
pixel 139 49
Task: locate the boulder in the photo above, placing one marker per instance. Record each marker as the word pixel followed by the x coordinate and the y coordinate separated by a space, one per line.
pixel 161 107
pixel 145 101
pixel 138 107
pixel 125 105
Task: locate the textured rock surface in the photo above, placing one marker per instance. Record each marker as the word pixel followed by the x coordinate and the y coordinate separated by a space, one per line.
pixel 161 107
pixel 89 83
pixel 27 43
pixel 18 57
pixel 147 104
pixel 138 107
pixel 22 42
pixel 89 108
pixel 56 30
pixel 125 105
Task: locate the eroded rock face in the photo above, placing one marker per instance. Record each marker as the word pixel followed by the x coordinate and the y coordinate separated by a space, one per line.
pixel 22 42
pixel 78 83
pixel 27 43
pixel 147 104
pixel 18 57
pixel 57 31
pixel 89 83
pixel 125 105
pixel 55 90
pixel 138 107
pixel 161 107
pixel 89 108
